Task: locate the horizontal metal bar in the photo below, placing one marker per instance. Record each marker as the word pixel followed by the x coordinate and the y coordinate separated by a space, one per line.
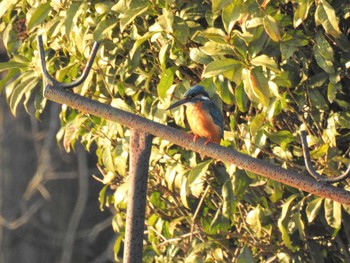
pixel 215 151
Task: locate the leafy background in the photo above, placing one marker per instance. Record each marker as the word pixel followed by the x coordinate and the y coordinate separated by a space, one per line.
pixel 274 67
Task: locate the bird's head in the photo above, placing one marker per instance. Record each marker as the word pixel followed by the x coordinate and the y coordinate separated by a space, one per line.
pixel 193 95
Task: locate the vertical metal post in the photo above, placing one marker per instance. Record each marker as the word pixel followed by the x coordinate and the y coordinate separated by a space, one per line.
pixel 140 150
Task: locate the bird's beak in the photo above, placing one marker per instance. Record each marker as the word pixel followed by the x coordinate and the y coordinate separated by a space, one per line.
pixel 176 104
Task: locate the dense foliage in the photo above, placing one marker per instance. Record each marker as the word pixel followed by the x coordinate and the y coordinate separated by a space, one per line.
pixel 274 67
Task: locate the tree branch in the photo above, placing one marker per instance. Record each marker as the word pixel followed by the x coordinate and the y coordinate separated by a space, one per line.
pixel 80 205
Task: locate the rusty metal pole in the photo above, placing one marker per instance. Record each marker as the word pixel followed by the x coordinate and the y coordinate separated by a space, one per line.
pixel 54 91
pixel 140 150
pixel 215 151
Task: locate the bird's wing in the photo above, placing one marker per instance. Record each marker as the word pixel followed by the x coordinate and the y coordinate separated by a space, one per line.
pixel 216 114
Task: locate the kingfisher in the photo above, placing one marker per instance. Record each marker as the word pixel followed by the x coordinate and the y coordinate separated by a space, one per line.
pixel 203 115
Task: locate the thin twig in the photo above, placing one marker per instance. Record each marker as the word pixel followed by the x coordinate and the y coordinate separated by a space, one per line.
pixel 68 242
pixel 23 219
pixel 197 210
pixel 176 239
pixel 245 223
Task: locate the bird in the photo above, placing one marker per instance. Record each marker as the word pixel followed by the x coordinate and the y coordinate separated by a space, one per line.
pixel 203 115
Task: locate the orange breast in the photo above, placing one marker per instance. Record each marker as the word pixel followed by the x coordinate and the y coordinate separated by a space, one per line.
pixel 202 124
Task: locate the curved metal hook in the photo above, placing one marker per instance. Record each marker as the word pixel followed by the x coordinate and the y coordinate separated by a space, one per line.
pixel 312 171
pixel 43 62
pixel 75 83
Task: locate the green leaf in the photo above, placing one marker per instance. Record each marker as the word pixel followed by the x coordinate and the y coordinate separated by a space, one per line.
pixel 130 15
pixel 117 245
pixel 184 192
pixel 277 191
pixel 102 197
pixel 121 104
pixel 301 12
pixel 121 194
pixel 72 14
pixel 215 34
pixel 195 179
pixel 212 48
pixel 219 223
pixel 283 222
pixel 282 137
pixel 218 67
pixel 53 28
pixel 318 99
pixel 319 152
pixel 105 26
pixel 62 74
pixel 240 183
pixel 218 5
pixel 166 21
pixel 139 41
pixel 245 256
pixel 166 80
pixel 12 65
pixel 253 219
pixel 224 89
pixel 271 28
pixel 39 15
pixel 228 196
pixel 318 80
pixel 297 219
pixel 291 43
pixel 174 223
pixel 231 13
pixel 325 16
pixel 323 53
pixel 241 98
pixel 5 6
pixel 265 61
pixel 181 30
pixel 332 90
pixel 22 88
pixel 256 86
pixel 104 7
pixel 197 55
pixel 333 213
pixel 196 174
pixel 344 120
pixel 313 209
pixel 107 159
pixel 71 131
pixel 155 199
pixel 120 157
pixel 257 122
pixel 255 22
pixel 10 74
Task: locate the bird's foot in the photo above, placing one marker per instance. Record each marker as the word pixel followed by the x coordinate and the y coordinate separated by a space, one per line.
pixel 207 141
